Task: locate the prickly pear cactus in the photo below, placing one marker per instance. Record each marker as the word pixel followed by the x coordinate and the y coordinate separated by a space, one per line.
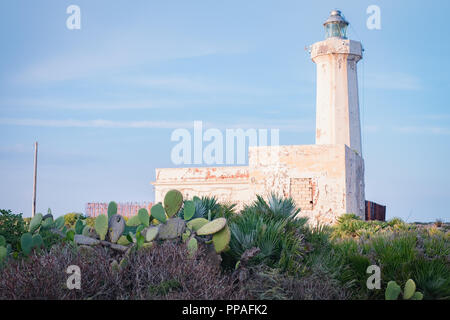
pixel 79 226
pixel 192 246
pixel 173 202
pixel 158 213
pixel 116 227
pixel 47 222
pixel 392 291
pixel 59 223
pixel 188 210
pixel 212 227
pixel 197 223
pixel 38 242
pixel 172 229
pixel 221 239
pixel 112 209
pixel 410 289
pixel 101 226
pixel 35 222
pixel 2 241
pixel 134 221
pixel 151 233
pixel 144 217
pixel 26 243
pixel 123 241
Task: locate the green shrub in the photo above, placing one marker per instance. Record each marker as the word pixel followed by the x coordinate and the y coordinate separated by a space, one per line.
pixel 12 226
pixel 71 218
pixel 269 226
pixel 432 277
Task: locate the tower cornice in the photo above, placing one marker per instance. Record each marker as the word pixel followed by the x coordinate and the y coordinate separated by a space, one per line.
pixel 337 46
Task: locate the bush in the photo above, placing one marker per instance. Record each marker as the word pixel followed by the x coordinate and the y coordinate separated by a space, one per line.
pixel 12 226
pixel 271 284
pixel 271 228
pixel 161 272
pixel 71 218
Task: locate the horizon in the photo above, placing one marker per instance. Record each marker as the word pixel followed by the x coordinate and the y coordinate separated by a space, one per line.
pixel 103 101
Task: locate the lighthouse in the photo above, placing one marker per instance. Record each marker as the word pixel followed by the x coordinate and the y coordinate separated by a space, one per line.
pixel 325 180
pixel 337 102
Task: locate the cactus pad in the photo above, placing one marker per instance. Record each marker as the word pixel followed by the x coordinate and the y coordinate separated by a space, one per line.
pixel 172 229
pixel 134 221
pixel 417 296
pixel 392 291
pixel 410 288
pixel 221 239
pixel 79 226
pixel 123 241
pixel 112 209
pixel 2 241
pixel 35 222
pixel 188 210
pixel 144 217
pixel 59 223
pixel 38 242
pixel 158 213
pixel 173 202
pixel 192 246
pixel 26 243
pixel 212 227
pixel 116 227
pixel 101 226
pixel 197 223
pixel 151 233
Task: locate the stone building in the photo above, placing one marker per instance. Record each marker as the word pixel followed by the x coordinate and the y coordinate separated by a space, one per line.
pixel 325 179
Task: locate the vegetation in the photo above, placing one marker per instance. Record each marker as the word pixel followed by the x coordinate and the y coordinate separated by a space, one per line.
pixel 202 249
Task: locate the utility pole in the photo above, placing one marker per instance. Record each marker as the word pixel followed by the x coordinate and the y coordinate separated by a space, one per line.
pixel 33 208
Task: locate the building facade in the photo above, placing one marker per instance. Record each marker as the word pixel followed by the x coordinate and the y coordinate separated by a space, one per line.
pixel 326 179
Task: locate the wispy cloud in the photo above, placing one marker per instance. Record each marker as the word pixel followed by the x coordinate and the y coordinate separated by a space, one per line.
pixel 393 81
pixel 45 103
pixel 423 130
pixel 118 50
pixel 99 123
pixel 296 125
pixel 188 84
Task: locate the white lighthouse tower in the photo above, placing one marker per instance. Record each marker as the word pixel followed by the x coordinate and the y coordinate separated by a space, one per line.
pixel 337 105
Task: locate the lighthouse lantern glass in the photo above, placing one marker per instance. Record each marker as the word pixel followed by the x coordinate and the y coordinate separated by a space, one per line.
pixel 336 29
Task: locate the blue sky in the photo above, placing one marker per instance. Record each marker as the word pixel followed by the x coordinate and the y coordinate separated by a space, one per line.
pixel 102 101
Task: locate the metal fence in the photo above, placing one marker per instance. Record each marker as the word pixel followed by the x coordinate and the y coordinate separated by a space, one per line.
pixel 375 211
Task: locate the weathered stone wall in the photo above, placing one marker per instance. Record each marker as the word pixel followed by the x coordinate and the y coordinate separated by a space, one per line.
pixel 325 181
pixel 228 184
pixel 329 170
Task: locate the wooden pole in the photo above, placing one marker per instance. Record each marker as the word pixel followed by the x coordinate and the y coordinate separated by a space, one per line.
pixel 33 208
